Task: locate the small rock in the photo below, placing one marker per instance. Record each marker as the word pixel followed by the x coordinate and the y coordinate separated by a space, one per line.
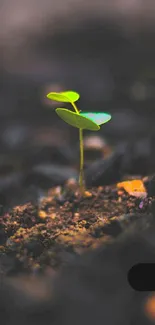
pixel 150 185
pixel 63 155
pixel 72 184
pixel 105 171
pixel 138 157
pixel 95 147
pixel 94 142
pixel 48 175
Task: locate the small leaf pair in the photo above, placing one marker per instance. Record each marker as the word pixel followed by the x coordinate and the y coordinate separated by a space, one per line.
pixel 80 120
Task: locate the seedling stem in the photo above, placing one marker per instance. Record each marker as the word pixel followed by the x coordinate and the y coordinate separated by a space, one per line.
pixel 81 176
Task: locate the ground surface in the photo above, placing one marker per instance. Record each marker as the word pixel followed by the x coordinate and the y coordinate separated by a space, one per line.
pixel 36 237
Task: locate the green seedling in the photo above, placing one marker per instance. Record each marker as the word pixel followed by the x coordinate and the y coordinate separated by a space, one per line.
pixel 80 120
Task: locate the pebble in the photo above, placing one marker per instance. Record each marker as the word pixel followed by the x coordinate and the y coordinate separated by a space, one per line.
pixel 105 171
pixel 48 175
pixel 150 185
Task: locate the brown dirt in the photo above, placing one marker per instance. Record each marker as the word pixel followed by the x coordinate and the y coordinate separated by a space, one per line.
pixel 37 238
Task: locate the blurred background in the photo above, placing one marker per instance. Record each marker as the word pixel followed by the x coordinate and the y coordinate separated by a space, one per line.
pixel 104 50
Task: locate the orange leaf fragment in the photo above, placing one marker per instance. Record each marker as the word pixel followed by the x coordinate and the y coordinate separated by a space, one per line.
pixel 42 214
pixel 135 187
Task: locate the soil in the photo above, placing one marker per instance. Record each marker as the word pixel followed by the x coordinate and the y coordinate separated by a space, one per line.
pixel 37 238
pixel 64 257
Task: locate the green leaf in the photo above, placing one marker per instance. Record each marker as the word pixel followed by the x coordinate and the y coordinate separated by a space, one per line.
pixel 66 96
pixel 77 120
pixel 98 118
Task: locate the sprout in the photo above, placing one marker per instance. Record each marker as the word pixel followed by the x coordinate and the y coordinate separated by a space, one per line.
pixel 80 120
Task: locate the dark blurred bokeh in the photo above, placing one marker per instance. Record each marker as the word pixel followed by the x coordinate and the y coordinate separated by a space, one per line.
pixel 103 49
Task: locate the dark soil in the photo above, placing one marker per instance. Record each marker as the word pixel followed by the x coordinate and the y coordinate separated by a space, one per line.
pixel 65 260
pixel 64 257
pixel 64 225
